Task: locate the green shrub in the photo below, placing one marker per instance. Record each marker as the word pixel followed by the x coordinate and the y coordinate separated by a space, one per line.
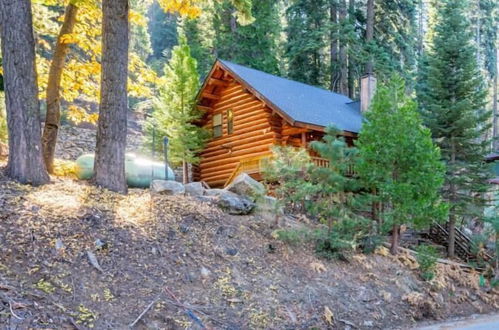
pixel 342 239
pixel 292 236
pixel 427 256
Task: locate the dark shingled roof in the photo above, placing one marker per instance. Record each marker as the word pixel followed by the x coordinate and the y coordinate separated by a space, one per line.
pixel 303 103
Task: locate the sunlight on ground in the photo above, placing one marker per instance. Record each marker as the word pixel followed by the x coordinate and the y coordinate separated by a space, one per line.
pixel 54 199
pixel 135 209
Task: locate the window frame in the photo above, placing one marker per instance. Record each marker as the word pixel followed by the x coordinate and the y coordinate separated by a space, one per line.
pixel 229 114
pixel 217 128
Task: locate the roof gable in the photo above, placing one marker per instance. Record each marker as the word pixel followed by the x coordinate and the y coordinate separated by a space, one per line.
pixel 301 102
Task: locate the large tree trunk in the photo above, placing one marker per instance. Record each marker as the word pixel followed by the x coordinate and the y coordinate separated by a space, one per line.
pixel 333 18
pixel 370 32
pixel 185 172
pixel 109 165
pixel 394 247
pixel 451 241
pixel 53 116
pixel 351 70
pixel 21 93
pixel 343 52
pixel 495 110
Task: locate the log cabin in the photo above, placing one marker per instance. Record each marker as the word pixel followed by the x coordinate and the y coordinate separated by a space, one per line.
pixel 248 111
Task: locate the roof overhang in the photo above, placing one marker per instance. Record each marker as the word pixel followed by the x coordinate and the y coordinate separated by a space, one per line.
pixel 266 101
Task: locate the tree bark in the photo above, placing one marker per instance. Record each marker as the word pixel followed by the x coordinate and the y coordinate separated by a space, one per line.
pixel 395 239
pixel 333 18
pixel 53 116
pixel 494 109
pixel 343 52
pixel 185 172
pixel 370 33
pixel 109 165
pixel 451 242
pixel 351 70
pixel 25 162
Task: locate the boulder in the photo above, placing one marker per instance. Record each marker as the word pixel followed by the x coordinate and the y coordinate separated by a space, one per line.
pixel 228 201
pixel 214 192
pixel 246 186
pixel 194 189
pixel 167 187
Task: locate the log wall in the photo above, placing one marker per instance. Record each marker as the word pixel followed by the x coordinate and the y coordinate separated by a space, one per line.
pixel 256 129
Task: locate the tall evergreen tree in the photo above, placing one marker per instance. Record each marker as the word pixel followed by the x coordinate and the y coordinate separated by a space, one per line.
pixel 453 99
pixel 174 113
pixel 398 159
pixel 305 50
pixel 199 34
pixel 163 30
pixel 254 45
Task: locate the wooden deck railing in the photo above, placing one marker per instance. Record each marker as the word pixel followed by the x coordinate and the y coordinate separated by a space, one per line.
pixel 254 165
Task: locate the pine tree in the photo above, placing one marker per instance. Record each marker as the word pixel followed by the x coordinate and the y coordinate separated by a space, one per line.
pixel 199 34
pixel 174 113
pixel 305 50
pixel 162 28
pixel 253 45
pixel 453 100
pixel 398 158
pixel 334 198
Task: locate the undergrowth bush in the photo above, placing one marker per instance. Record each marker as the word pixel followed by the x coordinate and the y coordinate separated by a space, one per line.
pixel 343 238
pixel 427 256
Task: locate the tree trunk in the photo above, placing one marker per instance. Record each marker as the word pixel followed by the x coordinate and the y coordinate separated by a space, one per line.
pixel 21 93
pixel 333 18
pixel 495 110
pixel 53 116
pixel 394 247
pixel 351 70
pixel 112 129
pixel 185 172
pixel 451 242
pixel 370 32
pixel 343 52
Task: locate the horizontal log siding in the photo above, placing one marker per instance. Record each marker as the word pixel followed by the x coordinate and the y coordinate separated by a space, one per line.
pixel 255 131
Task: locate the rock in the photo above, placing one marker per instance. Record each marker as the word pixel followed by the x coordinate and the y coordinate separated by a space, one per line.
pixel 194 189
pixel 368 324
pixel 167 187
pixel 246 186
pixel 231 252
pixel 205 272
pixel 233 203
pixel 100 245
pixel 59 245
pixel 214 192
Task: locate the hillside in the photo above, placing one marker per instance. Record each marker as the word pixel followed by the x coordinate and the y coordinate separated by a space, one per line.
pixel 228 270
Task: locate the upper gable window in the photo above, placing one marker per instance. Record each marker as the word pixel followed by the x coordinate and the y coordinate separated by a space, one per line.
pixel 230 122
pixel 217 125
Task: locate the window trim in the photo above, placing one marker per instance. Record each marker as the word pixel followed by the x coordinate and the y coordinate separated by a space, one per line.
pixel 215 127
pixel 229 114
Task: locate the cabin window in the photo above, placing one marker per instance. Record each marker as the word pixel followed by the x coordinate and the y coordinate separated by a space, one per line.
pixel 230 122
pixel 217 125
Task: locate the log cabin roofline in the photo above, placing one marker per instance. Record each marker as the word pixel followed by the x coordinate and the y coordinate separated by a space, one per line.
pixel 346 105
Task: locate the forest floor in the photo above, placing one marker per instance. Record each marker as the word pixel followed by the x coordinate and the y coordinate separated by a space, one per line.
pixel 186 264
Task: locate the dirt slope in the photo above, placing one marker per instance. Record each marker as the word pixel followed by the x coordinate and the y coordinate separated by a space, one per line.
pixel 227 270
